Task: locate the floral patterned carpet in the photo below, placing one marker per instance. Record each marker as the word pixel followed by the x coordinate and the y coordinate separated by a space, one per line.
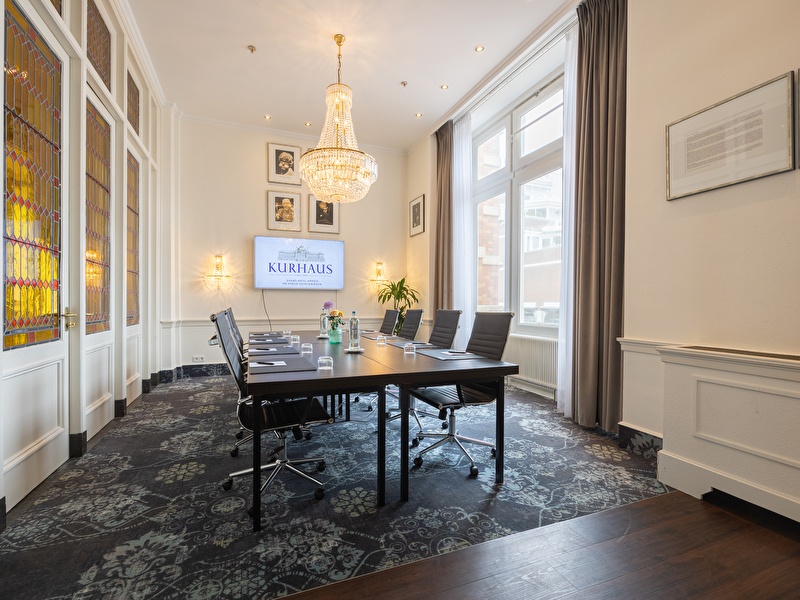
pixel 143 514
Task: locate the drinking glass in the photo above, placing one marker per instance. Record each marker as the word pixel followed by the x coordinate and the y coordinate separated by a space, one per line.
pixel 380 340
pixel 409 349
pixel 325 363
pixel 287 333
pixel 306 349
pixel 295 340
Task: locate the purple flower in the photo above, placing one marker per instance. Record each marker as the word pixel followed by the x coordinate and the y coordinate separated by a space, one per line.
pixel 328 305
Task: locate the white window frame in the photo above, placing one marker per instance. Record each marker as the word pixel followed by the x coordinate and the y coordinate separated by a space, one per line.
pixel 518 170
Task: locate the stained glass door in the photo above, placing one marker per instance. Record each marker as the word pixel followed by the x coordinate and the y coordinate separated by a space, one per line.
pixel 35 401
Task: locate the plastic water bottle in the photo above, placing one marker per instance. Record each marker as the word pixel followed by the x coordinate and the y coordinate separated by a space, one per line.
pixel 323 322
pixel 354 329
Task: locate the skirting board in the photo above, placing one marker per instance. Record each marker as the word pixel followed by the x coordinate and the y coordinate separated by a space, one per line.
pixel 696 480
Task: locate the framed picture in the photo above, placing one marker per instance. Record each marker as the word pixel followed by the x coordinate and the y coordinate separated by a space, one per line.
pixel 282 164
pixel 416 216
pixel 323 216
pixel 745 137
pixel 283 211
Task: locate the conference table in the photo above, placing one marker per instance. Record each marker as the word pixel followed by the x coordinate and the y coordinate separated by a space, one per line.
pixel 371 370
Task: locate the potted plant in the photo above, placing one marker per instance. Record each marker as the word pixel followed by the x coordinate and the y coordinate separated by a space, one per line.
pixel 402 296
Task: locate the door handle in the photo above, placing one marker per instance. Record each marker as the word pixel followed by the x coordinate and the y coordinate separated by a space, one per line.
pixel 67 315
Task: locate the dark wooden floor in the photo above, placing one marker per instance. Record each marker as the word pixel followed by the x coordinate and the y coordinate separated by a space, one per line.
pixel 672 546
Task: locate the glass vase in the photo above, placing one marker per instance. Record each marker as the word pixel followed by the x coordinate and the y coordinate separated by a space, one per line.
pixel 335 335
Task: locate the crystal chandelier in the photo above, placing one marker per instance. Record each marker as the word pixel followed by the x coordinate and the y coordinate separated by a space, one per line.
pixel 336 170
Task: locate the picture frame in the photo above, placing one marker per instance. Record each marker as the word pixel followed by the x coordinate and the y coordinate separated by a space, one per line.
pixel 745 137
pixel 416 216
pixel 323 217
pixel 282 163
pixel 284 211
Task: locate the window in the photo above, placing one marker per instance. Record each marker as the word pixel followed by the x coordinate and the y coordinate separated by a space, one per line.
pixel 132 309
pixel 98 221
pixel 517 206
pixel 32 232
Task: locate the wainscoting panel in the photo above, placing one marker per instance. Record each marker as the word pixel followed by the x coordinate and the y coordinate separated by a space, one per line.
pixel 133 366
pixel 537 358
pixel 99 389
pixel 730 423
pixel 35 436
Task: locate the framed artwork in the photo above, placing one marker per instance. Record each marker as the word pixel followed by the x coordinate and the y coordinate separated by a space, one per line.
pixel 282 163
pixel 745 137
pixel 416 216
pixel 323 216
pixel 283 211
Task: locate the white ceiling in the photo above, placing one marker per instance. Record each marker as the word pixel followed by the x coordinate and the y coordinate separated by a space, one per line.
pixel 198 49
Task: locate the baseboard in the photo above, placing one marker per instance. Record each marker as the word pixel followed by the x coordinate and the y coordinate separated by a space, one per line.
pixel 204 370
pixel 640 442
pixel 697 480
pixel 120 408
pixel 78 444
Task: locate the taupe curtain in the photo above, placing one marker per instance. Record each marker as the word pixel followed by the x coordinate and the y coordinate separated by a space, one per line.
pixel 600 212
pixel 443 258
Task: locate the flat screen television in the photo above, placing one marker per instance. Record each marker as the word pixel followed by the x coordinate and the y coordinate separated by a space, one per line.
pixel 282 263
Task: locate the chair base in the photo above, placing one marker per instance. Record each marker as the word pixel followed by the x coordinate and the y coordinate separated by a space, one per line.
pixel 280 463
pixel 451 437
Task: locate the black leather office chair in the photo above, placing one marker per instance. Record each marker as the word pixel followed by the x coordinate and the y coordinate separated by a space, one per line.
pixel 488 339
pixel 445 327
pixel 411 323
pixel 389 321
pixel 279 417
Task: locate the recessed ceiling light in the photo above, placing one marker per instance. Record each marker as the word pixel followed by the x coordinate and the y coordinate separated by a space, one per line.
pixel 444 86
pixel 268 117
pixel 418 115
pixel 307 124
pixel 479 48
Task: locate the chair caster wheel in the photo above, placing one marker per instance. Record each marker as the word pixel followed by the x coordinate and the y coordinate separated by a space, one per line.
pixel 239 434
pixel 444 424
pixel 308 435
pixel 418 461
pixel 473 471
pixel 321 466
pixel 227 484
pixel 235 451
pixel 415 442
pixel 319 494
pixel 494 452
pixel 250 512
pixel 369 408
pixel 356 399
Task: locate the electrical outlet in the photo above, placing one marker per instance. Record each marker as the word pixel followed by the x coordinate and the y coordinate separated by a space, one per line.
pixel 199 358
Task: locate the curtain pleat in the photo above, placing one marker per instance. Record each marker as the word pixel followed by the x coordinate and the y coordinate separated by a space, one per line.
pixel 600 212
pixel 443 257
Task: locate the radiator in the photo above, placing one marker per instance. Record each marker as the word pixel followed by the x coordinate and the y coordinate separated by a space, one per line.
pixel 537 358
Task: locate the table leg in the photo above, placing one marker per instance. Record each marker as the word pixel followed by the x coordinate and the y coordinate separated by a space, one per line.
pixel 256 510
pixel 404 410
pixel 381 447
pixel 500 403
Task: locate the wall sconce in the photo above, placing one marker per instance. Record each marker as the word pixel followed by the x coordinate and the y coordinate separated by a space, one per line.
pixel 378 277
pixel 218 279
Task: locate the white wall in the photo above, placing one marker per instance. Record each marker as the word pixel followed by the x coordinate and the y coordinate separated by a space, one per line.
pixel 718 268
pixel 223 204
pixel 421 179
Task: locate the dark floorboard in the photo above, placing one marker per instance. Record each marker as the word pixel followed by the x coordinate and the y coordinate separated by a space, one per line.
pixel 670 546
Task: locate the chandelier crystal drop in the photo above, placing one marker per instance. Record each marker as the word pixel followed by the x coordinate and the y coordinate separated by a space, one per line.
pixel 336 170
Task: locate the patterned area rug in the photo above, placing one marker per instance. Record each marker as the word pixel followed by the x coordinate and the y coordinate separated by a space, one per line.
pixel 144 515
